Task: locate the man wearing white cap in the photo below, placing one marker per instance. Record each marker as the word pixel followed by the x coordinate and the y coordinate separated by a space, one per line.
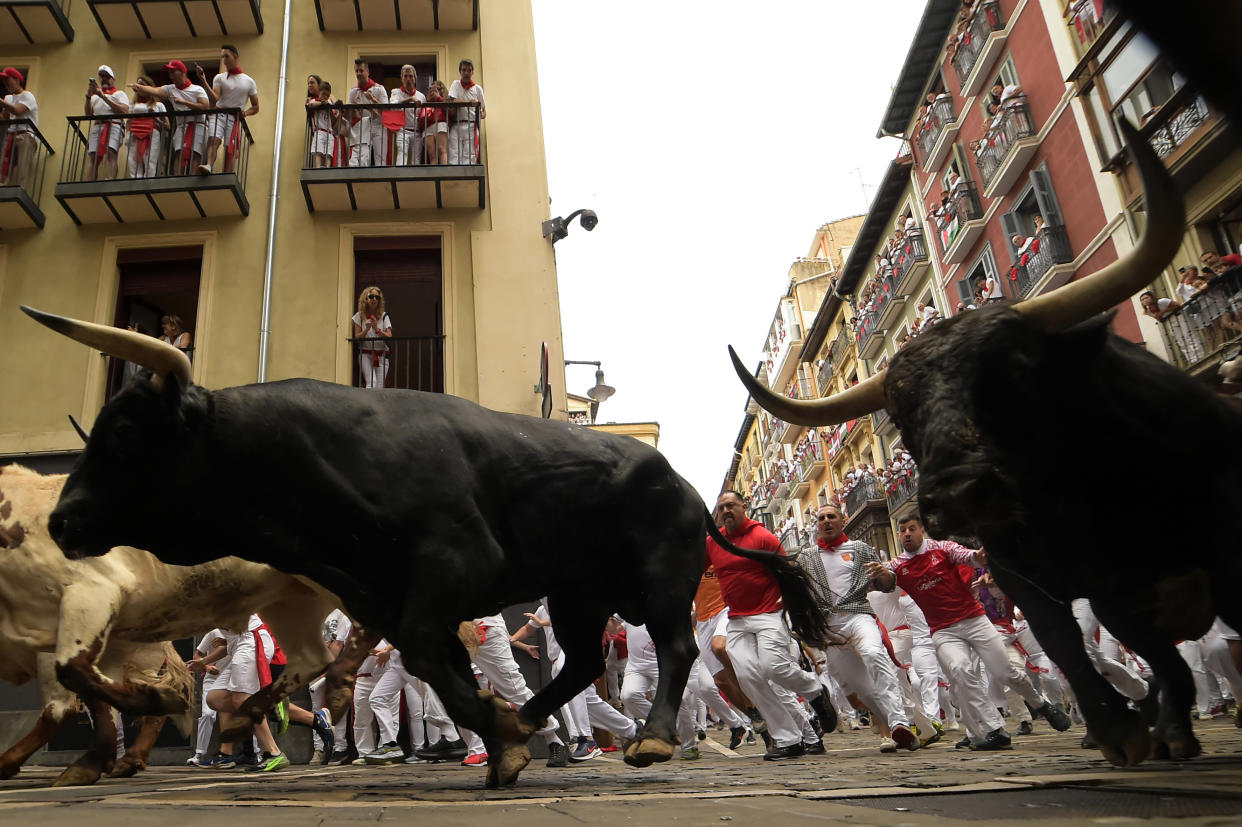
pixel 103 99
pixel 231 89
pixel 17 153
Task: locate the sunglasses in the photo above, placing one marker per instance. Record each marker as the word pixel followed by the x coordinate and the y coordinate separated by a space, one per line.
pixel 374 296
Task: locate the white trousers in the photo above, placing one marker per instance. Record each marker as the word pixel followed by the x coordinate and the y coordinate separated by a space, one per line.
pixel 954 646
pixel 365 714
pixel 1207 691
pixel 319 701
pixel 495 660
pixel 367 144
pixel 759 646
pixel 148 165
pixel 461 143
pixel 385 701
pixel 1218 658
pixel 1106 653
pixel 635 691
pixel 704 688
pixel 924 674
pixel 371 375
pixel 863 666
pixel 206 721
pixel 409 148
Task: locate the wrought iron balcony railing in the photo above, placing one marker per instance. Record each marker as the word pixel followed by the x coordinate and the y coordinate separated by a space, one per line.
pixel 902 489
pixel 911 252
pixel 964 206
pixel 933 124
pixel 23 160
pixel 409 362
pixel 1177 120
pixel 987 18
pixel 1087 20
pixel 862 493
pixel 1013 123
pixel 1199 328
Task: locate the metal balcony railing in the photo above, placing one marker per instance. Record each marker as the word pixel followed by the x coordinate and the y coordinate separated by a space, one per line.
pixel 1176 121
pixel 1086 22
pixel 964 205
pixel 987 18
pixel 912 251
pixel 880 419
pixel 1051 247
pixel 439 133
pixel 862 493
pixel 902 489
pixel 1199 328
pixel 1013 123
pixel 23 156
pixel 155 145
pixel 814 454
pixel 409 362
pixel 933 125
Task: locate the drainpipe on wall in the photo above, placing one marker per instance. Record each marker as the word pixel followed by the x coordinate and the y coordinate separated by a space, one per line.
pixel 265 319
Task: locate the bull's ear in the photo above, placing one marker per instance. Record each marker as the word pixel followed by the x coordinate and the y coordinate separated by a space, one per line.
pixel 186 403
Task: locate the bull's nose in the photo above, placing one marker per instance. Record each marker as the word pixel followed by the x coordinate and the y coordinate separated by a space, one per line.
pixel 57 526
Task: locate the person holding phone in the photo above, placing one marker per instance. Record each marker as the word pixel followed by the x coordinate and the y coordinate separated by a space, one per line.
pixel 372 325
pixel 187 138
pixel 103 99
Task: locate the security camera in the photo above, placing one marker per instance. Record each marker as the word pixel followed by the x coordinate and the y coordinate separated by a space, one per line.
pixel 588 220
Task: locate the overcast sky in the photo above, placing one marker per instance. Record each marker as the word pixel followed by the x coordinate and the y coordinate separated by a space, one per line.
pixel 712 139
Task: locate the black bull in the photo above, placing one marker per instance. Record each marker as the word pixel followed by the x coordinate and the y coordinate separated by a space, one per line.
pixel 419 511
pixel 1086 466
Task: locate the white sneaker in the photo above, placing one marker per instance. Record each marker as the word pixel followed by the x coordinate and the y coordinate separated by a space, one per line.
pixel 387 754
pixel 888 745
pixel 198 761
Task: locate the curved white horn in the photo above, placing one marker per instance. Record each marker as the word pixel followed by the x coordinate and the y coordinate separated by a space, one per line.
pixel 1162 236
pixel 158 356
pixel 860 400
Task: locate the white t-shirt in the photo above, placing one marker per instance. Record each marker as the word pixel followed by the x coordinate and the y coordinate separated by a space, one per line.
pixel 100 107
pixel 1008 92
pixel 142 107
pixel 356 96
pixel 839 570
pixel 336 627
pixel 992 289
pixel 642 650
pixel 384 324
pixel 179 97
pixel 399 95
pixel 554 648
pixel 458 92
pixel 887 606
pixel 1185 291
pixel 204 646
pixel 25 98
pixel 234 91
pixel 371 665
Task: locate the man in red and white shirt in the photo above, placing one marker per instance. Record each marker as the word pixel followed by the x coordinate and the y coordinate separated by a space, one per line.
pixel 928 571
pixel 759 641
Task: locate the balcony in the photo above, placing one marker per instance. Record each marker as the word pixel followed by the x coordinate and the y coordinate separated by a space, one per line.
pixel 811 464
pixel 21 177
pixel 397 15
pixel 34 22
pixel 882 422
pixel 984 41
pixel 413 363
pixel 869 343
pixel 1050 248
pixel 903 495
pixel 164 19
pixel 782 432
pixel 1086 23
pixel 910 262
pixel 836 355
pixel 867 492
pixel 1007 147
pixel 153 182
pixel 1196 332
pixel 400 183
pixel 965 224
pixel 937 132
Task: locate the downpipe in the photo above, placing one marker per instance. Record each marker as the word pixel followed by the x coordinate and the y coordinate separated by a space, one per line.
pixel 274 199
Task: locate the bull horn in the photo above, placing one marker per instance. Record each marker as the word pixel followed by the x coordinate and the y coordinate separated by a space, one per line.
pixel 1079 300
pixel 860 400
pixel 157 356
pixel 77 426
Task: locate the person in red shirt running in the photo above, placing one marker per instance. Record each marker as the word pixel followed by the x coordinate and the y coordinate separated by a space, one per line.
pixel 928 571
pixel 759 642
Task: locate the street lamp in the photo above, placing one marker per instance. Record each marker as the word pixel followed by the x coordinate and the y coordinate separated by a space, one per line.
pixel 600 392
pixel 557 228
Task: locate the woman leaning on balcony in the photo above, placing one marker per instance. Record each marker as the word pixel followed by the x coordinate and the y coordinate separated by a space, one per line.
pixel 146 135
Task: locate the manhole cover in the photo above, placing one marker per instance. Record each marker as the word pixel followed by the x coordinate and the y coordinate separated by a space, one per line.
pixel 1054 803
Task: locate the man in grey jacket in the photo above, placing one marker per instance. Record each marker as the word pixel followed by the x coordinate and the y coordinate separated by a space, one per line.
pixel 861 663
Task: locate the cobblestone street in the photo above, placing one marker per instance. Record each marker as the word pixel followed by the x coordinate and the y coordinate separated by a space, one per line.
pixel 1046 777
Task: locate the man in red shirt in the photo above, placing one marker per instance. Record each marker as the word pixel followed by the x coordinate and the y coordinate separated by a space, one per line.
pixel 759 641
pixel 928 571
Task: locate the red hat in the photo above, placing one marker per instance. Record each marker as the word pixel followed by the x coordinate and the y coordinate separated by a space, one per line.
pixel 10 72
pixel 175 64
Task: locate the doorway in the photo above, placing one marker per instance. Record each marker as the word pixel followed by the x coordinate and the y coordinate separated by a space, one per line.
pixel 409 272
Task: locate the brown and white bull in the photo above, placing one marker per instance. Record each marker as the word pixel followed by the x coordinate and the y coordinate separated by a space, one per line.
pixel 90 624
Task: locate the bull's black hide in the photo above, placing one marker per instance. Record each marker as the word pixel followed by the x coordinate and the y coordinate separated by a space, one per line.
pixel 1088 468
pixel 418 510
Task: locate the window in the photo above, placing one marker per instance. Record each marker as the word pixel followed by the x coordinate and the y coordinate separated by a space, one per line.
pixel 983 268
pixel 1035 210
pixel 386 71
pixel 1005 76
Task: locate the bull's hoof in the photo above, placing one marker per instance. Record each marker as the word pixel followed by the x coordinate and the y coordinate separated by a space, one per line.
pixel 510 727
pixel 127 767
pixel 1181 745
pixel 8 770
pixel 646 751
pixel 1128 750
pixel 82 774
pixel 505 771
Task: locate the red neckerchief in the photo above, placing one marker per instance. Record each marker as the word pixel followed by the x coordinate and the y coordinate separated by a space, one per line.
pixel 370 83
pixel 832 545
pixel 184 84
pixel 236 70
pixel 108 90
pixel 467 84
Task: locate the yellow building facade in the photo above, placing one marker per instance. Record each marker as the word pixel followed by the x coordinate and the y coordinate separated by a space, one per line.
pixel 469 278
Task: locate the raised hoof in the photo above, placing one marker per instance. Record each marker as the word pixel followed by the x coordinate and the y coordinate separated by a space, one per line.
pixel 78 775
pixel 127 767
pixel 510 728
pixel 505 771
pixel 647 751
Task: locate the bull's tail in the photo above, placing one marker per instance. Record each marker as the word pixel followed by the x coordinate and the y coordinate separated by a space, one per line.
pixel 805 614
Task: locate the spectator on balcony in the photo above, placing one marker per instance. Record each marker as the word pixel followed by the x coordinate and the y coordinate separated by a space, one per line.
pixel 1186 289
pixel 230 89
pixel 366 134
pixel 372 326
pixel 146 135
pixel 102 99
pixel 1214 261
pixel 409 138
pixel 1157 308
pixel 328 145
pixel 21 147
pixel 188 132
pixel 175 333
pixel 988 289
pixel 928 316
pixel 433 121
pixel 464 134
